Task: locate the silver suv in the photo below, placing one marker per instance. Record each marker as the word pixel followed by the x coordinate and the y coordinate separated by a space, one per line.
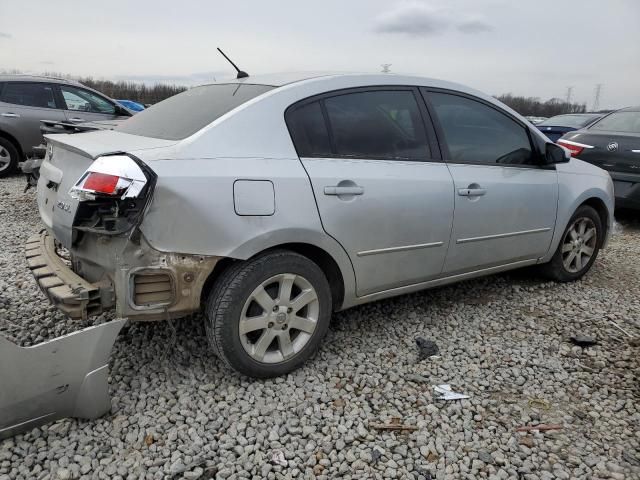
pixel 25 100
pixel 275 201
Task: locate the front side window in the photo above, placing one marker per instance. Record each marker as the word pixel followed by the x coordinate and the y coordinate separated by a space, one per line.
pixel 377 124
pixel 29 94
pixel 624 121
pixel 477 133
pixel 80 100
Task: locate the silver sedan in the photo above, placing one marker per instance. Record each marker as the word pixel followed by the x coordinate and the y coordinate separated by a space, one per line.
pixel 271 202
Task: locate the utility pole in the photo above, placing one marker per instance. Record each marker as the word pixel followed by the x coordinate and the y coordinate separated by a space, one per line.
pixel 569 92
pixel 596 97
pixel 385 67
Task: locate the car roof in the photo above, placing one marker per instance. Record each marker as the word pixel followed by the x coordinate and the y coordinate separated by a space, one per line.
pixel 36 78
pixel 290 78
pixel 629 109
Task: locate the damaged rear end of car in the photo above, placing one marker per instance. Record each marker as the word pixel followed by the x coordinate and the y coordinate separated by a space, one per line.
pixel 92 255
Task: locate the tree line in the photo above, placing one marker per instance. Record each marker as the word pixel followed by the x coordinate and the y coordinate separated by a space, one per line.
pixel 533 106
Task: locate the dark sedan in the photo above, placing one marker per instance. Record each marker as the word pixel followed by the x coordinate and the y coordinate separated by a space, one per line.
pixel 612 143
pixel 556 127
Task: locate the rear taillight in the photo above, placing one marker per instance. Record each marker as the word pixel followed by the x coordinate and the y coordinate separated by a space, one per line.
pixel 574 148
pixel 115 175
pixel 113 195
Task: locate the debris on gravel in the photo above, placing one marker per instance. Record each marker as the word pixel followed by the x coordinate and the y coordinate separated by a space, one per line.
pixel 177 412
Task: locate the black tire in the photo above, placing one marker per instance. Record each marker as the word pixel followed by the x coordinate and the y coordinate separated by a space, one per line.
pixel 9 152
pixel 226 303
pixel 556 268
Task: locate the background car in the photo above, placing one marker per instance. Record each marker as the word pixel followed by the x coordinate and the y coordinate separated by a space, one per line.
pixel 612 143
pixel 26 100
pixel 283 179
pixel 131 105
pixel 535 120
pixel 557 126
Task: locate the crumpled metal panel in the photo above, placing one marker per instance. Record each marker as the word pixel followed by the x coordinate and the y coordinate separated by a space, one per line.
pixel 63 377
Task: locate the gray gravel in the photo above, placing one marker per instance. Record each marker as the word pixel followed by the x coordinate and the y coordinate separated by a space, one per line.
pixel 178 413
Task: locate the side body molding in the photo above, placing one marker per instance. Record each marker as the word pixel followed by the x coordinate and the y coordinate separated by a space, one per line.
pixel 63 377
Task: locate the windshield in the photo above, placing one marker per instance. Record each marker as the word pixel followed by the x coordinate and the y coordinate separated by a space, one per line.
pixel 184 114
pixel 574 121
pixel 622 121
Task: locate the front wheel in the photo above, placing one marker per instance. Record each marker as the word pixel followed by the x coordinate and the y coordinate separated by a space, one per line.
pixel 578 247
pixel 265 317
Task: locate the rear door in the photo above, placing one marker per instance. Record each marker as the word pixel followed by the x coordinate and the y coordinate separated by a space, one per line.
pixel 82 105
pixel 381 189
pixel 22 106
pixel 505 203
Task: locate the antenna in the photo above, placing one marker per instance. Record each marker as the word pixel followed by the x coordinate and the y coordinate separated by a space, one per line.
pixel 385 67
pixel 241 74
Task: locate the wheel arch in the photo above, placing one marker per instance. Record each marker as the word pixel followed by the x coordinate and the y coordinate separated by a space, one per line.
pixel 14 141
pixel 341 283
pixel 599 206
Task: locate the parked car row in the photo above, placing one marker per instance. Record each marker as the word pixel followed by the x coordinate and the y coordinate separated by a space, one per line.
pixel 26 100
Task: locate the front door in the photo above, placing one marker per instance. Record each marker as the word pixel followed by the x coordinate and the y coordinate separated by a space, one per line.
pixel 380 192
pixel 505 202
pixel 85 106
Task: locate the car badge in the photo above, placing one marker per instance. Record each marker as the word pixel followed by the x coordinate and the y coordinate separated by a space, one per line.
pixel 613 147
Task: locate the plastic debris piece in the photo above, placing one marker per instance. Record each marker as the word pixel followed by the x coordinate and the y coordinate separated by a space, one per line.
pixel 394 424
pixel 278 459
pixel 447 394
pixel 543 427
pixel 539 403
pixel 583 341
pixel 426 348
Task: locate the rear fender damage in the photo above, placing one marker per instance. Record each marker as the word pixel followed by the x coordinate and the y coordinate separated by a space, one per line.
pixel 63 377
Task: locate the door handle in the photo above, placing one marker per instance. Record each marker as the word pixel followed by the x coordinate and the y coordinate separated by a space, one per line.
pixel 337 190
pixel 471 192
pixel 10 115
pixel 76 119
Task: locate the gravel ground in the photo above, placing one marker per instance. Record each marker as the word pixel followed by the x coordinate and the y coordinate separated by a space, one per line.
pixel 177 412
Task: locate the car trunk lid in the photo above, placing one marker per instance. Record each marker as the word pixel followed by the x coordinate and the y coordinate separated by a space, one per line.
pixel 67 158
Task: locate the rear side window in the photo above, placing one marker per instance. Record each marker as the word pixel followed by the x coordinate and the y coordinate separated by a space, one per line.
pixel 477 133
pixel 29 94
pixel 309 131
pixel 184 114
pixel 377 124
pixel 624 121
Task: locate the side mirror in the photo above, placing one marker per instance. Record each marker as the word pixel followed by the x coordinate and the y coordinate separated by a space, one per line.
pixel 556 154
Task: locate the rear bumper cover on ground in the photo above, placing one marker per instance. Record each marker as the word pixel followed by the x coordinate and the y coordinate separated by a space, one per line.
pixel 64 377
pixel 72 294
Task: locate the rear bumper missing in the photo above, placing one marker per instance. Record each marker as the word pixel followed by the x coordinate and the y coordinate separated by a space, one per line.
pixel 69 292
pixel 143 284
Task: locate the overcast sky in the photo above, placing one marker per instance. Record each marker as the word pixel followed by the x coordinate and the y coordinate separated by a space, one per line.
pixel 533 48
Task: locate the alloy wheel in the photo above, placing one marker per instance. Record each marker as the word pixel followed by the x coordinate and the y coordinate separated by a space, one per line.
pixel 5 158
pixel 579 244
pixel 279 318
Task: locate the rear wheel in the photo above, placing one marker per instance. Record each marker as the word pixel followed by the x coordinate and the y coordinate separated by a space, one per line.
pixel 578 247
pixel 267 316
pixel 8 157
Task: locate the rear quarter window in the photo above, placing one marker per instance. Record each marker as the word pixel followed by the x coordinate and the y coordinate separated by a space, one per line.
pixel 184 114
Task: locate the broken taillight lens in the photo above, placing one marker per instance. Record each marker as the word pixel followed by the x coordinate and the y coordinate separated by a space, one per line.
pixel 101 182
pixel 115 175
